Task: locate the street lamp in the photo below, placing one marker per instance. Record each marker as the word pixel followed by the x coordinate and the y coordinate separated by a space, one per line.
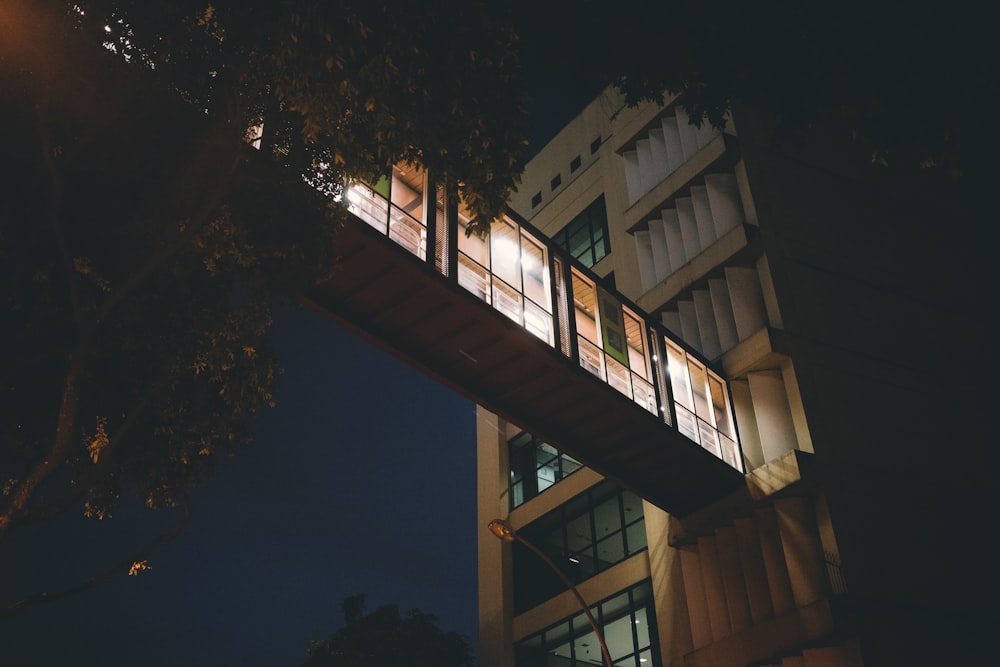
pixel 503 530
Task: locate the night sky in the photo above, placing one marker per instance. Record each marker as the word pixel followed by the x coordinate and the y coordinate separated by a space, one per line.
pixel 361 480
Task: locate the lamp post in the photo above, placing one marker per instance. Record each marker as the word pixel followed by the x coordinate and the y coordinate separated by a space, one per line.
pixel 503 530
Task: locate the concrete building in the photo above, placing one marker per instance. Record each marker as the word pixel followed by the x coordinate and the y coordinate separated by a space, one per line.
pixel 845 310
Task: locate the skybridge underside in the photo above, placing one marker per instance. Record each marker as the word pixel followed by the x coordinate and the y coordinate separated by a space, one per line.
pixel 400 304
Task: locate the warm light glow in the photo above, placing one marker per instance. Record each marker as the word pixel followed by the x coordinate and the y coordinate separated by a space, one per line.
pixel 354 195
pixel 502 529
pixel 505 250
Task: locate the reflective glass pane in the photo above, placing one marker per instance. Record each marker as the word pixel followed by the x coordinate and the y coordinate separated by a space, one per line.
pixel 473 277
pixel 408 233
pixel 619 377
pixel 507 300
pixel 538 322
pixel 699 388
pixel 408 190
pixel 363 202
pixel 642 394
pixel 591 358
pixel 687 423
pixel 680 380
pixel 473 246
pixel 618 637
pixel 535 268
pixel 585 300
pixel 635 535
pixel 611 550
pixel 720 405
pixel 505 252
pixel 709 438
pixel 635 336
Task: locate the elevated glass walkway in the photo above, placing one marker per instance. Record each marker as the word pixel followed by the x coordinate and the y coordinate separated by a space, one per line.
pixel 515 324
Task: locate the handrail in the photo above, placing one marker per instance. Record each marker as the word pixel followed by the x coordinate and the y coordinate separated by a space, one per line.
pixel 519 272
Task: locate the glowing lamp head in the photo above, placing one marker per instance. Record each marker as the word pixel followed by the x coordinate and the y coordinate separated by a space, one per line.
pixel 502 529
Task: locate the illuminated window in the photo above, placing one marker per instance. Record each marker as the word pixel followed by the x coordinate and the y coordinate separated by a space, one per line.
pixel 394 205
pixel 597 529
pixel 612 341
pixel 535 466
pixel 586 235
pixel 508 269
pixel 627 622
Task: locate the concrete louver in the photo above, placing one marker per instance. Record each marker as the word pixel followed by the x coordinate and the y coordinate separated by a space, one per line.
pixel 660 150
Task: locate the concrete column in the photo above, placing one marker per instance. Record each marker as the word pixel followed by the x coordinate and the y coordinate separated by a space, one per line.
pixel 496 605
pixel 803 551
pixel 673 622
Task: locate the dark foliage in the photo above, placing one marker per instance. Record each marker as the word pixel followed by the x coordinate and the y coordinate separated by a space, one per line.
pixel 385 637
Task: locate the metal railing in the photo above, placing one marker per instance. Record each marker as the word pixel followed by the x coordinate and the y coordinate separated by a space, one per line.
pixel 522 275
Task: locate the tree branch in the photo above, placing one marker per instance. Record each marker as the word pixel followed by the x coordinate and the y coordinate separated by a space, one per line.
pixel 119 567
pixel 69 406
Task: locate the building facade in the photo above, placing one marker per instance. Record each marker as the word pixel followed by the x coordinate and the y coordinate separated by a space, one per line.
pixel 843 309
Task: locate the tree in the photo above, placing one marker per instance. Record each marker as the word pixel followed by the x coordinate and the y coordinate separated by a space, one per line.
pixel 384 637
pixel 142 239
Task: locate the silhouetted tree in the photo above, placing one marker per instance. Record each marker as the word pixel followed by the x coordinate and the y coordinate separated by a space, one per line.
pixel 385 637
pixel 141 239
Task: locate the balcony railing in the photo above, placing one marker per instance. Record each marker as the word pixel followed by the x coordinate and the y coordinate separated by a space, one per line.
pixel 522 275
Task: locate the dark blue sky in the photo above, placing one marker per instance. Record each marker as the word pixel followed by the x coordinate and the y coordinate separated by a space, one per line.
pixel 361 480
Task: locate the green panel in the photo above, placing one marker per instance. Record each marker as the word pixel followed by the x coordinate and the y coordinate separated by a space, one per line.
pixel 612 326
pixel 382 186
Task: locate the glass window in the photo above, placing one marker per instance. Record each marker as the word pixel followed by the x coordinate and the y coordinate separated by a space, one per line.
pixel 586 235
pixel 627 622
pixel 509 269
pixel 535 466
pixel 395 206
pixel 574 164
pixel 596 530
